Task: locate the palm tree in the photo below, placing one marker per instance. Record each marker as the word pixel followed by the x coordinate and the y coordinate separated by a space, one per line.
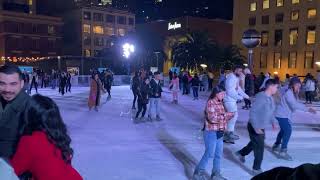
pixel 193 50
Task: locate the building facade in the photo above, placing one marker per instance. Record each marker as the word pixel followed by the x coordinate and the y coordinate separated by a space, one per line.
pixel 290 34
pixel 94 28
pixel 175 30
pixel 25 36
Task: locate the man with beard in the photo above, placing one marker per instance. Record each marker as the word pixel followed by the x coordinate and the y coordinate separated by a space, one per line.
pixel 234 93
pixel 13 101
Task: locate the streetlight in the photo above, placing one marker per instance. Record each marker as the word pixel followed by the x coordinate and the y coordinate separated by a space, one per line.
pixel 128 49
pixel 251 38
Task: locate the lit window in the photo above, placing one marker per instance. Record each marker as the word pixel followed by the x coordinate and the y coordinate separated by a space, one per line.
pixel 292 63
pixel 30 2
pixel 312 13
pixel 98 29
pixel 109 31
pixel 263 60
pixel 253 6
pixel 121 32
pixel 264 38
pixel 293 36
pixel 294 15
pixel 308 59
pixel 86 28
pixel 295 1
pixel 279 3
pixel 266 4
pixel 277 60
pixel 278 37
pixel 87 53
pixel 311 34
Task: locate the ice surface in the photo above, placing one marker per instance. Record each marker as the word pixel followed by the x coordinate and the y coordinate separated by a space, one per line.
pixel 109 146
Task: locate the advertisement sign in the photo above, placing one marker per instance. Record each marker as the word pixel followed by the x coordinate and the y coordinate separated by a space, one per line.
pixel 28 69
pixel 174 26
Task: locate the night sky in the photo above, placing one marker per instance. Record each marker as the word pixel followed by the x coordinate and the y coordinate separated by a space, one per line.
pixel 174 8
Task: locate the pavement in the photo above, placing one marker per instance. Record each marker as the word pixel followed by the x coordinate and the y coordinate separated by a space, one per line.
pixel 110 146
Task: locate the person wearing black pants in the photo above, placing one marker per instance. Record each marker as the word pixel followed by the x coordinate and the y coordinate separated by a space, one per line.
pixel 260 116
pixel 63 82
pixel 34 82
pixel 143 97
pixel 249 87
pixel 68 84
pixel 134 88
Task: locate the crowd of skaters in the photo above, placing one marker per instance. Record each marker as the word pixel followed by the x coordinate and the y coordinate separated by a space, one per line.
pixel 274 103
pixel 40 79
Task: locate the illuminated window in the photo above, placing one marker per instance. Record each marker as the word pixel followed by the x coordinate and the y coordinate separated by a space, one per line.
pixel 292 63
pixel 279 3
pixel 266 4
pixel 294 15
pixel 87 53
pixel 86 28
pixel 309 60
pixel 277 60
pixel 263 60
pixel 312 13
pixel 109 31
pixel 311 34
pixel 30 2
pixel 264 38
pixel 295 1
pixel 278 37
pixel 121 32
pixel 253 6
pixel 98 29
pixel 293 36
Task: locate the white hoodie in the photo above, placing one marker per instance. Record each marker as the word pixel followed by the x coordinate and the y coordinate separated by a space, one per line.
pixel 233 90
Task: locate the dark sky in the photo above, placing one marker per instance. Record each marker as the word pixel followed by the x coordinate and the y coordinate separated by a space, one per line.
pixel 173 8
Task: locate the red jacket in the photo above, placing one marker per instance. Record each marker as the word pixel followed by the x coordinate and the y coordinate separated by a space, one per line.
pixel 35 154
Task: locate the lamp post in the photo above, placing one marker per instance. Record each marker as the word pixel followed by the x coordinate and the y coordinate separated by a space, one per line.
pixel 128 49
pixel 251 38
pixel 157 54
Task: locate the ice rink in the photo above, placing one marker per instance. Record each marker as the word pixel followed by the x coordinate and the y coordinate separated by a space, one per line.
pixel 110 146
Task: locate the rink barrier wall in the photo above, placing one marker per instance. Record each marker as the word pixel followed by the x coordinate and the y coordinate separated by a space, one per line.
pixel 84 80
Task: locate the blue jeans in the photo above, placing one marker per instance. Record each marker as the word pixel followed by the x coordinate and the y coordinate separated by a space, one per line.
pixel 195 90
pixel 214 149
pixel 285 132
pixel 154 103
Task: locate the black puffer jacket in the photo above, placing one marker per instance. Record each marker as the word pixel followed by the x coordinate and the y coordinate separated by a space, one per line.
pixel 156 89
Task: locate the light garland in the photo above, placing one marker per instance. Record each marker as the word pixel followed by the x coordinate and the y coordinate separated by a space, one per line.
pixel 22 59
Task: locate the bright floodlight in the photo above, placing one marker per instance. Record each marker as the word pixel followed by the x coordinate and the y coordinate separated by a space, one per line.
pixel 127 50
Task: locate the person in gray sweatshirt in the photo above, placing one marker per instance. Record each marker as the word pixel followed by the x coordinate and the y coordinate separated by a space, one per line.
pixel 260 116
pixel 287 105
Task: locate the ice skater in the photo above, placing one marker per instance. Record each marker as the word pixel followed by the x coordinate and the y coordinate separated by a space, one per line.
pixel 34 82
pixel 215 124
pixel 234 93
pixel 155 96
pixel 174 87
pixel 260 116
pixel 143 98
pixel 134 87
pixel 287 106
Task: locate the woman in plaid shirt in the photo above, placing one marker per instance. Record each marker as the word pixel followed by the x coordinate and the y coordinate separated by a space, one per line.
pixel 214 127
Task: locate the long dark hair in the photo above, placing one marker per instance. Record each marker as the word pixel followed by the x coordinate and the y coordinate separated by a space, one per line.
pixel 216 90
pixel 42 114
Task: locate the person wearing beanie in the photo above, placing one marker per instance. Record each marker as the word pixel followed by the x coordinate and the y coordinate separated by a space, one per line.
pixel 287 105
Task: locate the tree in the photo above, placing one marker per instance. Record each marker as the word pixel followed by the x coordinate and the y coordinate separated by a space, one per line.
pixel 229 57
pixel 193 50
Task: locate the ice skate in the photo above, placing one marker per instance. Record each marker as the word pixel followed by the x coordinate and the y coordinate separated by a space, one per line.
pixel 217 176
pixel 199 175
pixel 285 156
pixel 240 157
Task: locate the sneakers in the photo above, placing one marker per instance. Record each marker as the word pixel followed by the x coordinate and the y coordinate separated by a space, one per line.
pixel 256 172
pixel 240 157
pixel 227 138
pixel 276 148
pixel 217 176
pixel 234 136
pixel 284 155
pixel 199 175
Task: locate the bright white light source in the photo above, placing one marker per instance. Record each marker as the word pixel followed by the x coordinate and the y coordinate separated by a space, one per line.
pixel 127 50
pixel 275 73
pixel 246 65
pixel 203 65
pixel 318 63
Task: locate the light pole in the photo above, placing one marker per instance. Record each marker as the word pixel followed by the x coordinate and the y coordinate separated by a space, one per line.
pixel 251 38
pixel 157 54
pixel 128 49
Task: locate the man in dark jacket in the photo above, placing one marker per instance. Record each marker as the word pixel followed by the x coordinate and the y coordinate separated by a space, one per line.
pixel 134 87
pixel 13 102
pixel 155 96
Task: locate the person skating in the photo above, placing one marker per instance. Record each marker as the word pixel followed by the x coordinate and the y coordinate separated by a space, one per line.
pixel 185 84
pixel 44 147
pixel 108 83
pixel 63 83
pixel 95 92
pixel 287 105
pixel 174 88
pixel 310 88
pixel 143 97
pixel 260 116
pixel 155 95
pixel 134 87
pixel 249 87
pixel 214 126
pixel 68 83
pixel 34 82
pixel 234 93
pixel 195 83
